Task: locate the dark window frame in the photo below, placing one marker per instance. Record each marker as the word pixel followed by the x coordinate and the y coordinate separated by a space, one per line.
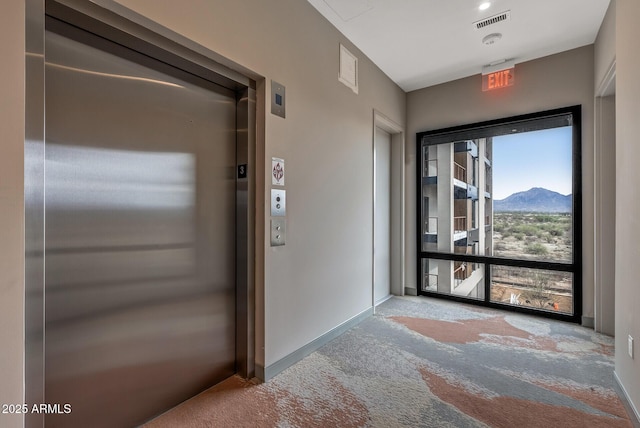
pixel 507 126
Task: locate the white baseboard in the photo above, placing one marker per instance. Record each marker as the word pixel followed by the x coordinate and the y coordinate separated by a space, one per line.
pixel 628 404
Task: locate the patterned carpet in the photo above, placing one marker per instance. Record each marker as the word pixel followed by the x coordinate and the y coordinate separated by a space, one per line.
pixel 423 362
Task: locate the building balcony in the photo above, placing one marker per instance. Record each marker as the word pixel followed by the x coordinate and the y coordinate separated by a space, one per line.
pixel 459 172
pixel 462 190
pixel 430 172
pixel 474 235
pixel 460 238
pixel 460 271
pixel 430 238
pixel 468 285
pixel 466 146
pixel 430 180
pixel 430 230
pixel 460 223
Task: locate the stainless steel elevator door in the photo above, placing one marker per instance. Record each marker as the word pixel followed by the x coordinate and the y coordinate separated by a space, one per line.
pixel 139 236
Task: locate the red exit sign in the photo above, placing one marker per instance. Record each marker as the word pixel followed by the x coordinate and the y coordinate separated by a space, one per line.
pixel 498 79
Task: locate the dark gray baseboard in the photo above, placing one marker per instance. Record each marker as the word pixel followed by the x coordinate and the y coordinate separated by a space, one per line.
pixel 266 373
pixel 410 291
pixel 587 322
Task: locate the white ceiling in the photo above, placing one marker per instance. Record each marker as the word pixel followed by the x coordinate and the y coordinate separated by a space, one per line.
pixel 420 43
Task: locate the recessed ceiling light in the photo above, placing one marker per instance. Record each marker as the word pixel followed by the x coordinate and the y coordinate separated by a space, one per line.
pixel 484 6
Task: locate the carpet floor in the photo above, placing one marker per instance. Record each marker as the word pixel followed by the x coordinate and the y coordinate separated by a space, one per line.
pixel 423 362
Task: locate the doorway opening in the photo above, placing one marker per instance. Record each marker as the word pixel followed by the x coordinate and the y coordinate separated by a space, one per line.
pixel 388 209
pixel 605 202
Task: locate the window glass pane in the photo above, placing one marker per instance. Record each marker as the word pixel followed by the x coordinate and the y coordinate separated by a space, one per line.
pixel 534 288
pixel 532 195
pixel 461 279
pixel 454 207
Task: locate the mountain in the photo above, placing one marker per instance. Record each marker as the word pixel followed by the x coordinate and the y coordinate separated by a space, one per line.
pixel 535 200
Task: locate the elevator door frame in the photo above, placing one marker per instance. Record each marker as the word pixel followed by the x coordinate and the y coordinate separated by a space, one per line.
pixel 147 39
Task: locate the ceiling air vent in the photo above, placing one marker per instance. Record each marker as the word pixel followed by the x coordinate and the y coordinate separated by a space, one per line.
pixel 504 16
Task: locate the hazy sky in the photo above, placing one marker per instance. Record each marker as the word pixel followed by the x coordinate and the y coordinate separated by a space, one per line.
pixel 532 159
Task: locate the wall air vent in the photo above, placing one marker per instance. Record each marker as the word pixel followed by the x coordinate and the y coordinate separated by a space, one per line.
pixel 501 17
pixel 348 73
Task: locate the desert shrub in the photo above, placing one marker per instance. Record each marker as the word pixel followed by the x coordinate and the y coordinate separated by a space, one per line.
pixel 506 234
pixel 526 229
pixel 556 231
pixel 519 236
pixel 546 218
pixel 499 246
pixel 539 289
pixel 537 249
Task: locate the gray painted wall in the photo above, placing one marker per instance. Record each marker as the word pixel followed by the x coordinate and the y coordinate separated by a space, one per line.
pixel 554 81
pixel 627 196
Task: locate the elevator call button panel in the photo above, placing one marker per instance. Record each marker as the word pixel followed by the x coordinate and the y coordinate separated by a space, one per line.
pixel 278 232
pixel 278 203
